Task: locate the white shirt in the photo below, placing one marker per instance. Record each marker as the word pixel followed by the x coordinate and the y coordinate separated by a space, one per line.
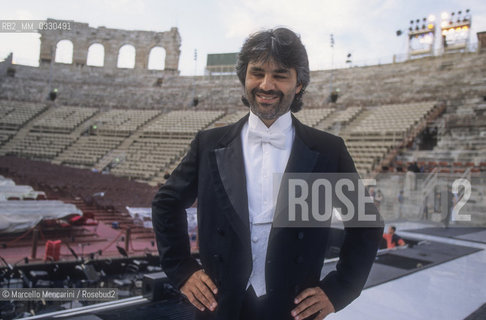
pixel 262 160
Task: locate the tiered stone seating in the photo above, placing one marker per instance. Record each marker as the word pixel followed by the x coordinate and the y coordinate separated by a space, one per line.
pixel 88 150
pixel 392 119
pixel 462 139
pixel 461 142
pixel 63 119
pixel 122 123
pixel 311 117
pixel 181 123
pixel 162 143
pixel 35 145
pixel 229 119
pixel 5 135
pixel 339 118
pixel 146 157
pixel 465 128
pixel 13 115
pixel 346 115
pixel 378 130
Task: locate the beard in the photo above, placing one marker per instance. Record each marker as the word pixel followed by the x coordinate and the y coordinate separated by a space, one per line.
pixel 272 110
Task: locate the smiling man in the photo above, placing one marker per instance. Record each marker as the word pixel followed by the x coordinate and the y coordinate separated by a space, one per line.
pixel 270 89
pixel 249 268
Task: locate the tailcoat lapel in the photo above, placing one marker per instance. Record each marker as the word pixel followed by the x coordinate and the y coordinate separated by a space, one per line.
pixel 230 166
pixel 302 159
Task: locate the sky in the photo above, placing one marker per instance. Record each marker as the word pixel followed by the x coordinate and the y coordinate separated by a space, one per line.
pixel 365 29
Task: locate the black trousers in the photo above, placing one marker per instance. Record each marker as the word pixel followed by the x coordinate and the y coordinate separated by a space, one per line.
pixel 253 307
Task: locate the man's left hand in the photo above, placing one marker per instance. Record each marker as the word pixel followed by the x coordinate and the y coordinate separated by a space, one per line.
pixel 312 301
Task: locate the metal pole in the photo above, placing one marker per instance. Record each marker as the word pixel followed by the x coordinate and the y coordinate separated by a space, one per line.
pixel 332 63
pixel 194 78
pixel 49 85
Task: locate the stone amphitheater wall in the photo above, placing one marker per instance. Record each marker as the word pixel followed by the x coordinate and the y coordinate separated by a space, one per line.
pixel 449 77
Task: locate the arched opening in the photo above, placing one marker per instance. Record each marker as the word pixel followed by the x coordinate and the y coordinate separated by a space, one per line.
pixel 126 57
pixel 96 55
pixel 64 52
pixel 156 60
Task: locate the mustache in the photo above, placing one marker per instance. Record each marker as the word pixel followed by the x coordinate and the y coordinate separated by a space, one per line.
pixel 270 92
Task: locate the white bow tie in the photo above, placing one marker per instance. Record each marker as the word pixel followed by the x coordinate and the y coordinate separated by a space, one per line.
pixel 276 139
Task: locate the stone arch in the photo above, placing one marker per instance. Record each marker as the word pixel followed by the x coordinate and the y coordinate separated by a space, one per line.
pixel 156 58
pixel 126 57
pixel 83 36
pixel 64 51
pixel 96 55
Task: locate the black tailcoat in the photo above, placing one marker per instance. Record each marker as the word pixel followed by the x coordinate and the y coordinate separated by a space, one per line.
pixel 213 171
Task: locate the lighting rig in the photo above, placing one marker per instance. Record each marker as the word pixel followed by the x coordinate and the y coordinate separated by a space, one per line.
pixel 421 37
pixel 455 30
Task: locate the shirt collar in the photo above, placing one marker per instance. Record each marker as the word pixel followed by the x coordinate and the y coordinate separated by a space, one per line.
pixel 282 124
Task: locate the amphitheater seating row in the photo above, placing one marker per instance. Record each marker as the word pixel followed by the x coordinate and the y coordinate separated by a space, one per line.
pixel 163 142
pixel 378 130
pixel 392 119
pixel 145 157
pixel 88 150
pixel 347 115
pixel 338 119
pixel 5 136
pixel 122 123
pixel 13 115
pixel 369 134
pixel 229 119
pixel 35 145
pixel 181 123
pixel 63 119
pixel 311 117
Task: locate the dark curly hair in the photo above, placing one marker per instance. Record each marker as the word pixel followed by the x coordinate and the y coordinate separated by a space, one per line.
pixel 285 48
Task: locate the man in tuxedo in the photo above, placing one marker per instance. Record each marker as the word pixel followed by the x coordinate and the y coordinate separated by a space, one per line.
pixel 249 268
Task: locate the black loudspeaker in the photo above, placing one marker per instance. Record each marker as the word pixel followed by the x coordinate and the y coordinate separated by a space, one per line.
pixel 155 286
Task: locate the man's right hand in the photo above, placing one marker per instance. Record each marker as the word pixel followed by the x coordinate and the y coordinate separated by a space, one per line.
pixel 200 291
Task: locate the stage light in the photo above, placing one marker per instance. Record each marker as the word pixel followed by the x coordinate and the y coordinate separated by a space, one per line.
pixel 430 26
pixel 444 15
pixel 431 18
pixel 417 21
pixel 411 21
pixel 465 28
pixel 444 32
pixel 443 24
